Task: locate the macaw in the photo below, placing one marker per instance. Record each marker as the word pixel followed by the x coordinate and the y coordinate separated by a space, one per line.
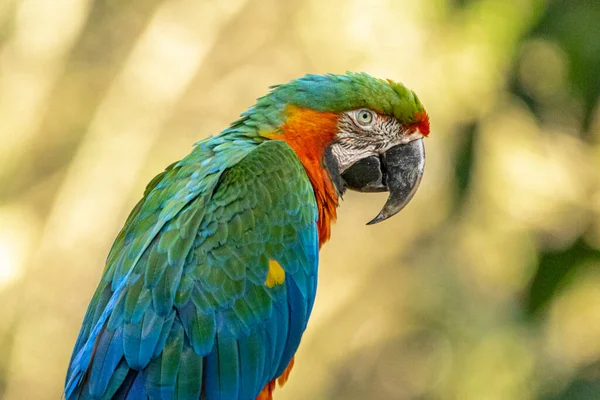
pixel 209 285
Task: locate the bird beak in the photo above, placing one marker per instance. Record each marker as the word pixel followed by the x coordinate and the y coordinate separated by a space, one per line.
pixel 398 171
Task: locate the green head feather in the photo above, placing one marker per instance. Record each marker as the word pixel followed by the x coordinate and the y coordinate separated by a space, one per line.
pixel 334 93
pixel 337 93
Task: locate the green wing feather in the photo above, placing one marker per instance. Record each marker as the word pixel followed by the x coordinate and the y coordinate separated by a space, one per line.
pixel 183 294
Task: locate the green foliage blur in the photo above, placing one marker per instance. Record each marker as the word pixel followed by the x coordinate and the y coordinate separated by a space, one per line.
pixel 486 287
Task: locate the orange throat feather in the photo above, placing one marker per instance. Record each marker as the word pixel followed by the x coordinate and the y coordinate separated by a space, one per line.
pixel 308 133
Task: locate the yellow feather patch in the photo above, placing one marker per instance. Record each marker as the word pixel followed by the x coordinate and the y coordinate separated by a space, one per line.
pixel 276 274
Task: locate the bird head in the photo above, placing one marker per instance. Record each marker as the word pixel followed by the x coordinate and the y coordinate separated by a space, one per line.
pixel 366 132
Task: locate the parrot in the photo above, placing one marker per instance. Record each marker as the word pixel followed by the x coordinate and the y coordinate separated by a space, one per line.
pixel 208 287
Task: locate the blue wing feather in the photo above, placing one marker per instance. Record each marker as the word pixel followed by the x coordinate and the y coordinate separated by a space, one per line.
pixel 109 354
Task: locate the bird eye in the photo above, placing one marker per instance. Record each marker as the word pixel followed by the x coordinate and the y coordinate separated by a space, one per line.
pixel 364 116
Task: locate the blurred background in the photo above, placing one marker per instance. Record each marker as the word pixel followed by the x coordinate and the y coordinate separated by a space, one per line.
pixel 486 287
